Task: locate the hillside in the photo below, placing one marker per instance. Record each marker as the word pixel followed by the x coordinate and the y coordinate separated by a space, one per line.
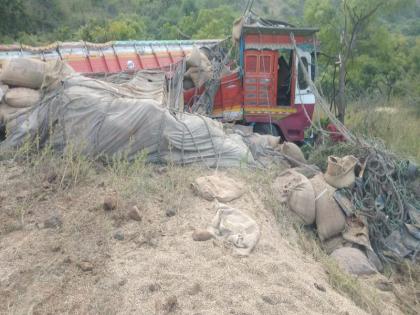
pixel 61 252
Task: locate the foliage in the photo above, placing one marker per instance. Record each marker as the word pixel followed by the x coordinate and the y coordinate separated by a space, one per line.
pixel 385 60
pixel 382 59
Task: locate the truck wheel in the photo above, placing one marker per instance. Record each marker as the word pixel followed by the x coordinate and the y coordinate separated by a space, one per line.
pixel 267 129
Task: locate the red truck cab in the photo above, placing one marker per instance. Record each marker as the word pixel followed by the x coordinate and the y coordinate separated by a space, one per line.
pixel 269 90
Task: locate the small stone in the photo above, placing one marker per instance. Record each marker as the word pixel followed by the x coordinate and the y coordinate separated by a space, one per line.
pixel 195 289
pixel 134 214
pixel 161 170
pixel 67 260
pixel 153 287
pixel 55 249
pixel 320 287
pixel 170 212
pixel 119 236
pixel 384 285
pixel 201 235
pixel 85 266
pixel 51 177
pixel 122 282
pixel 53 223
pixel 267 299
pixel 110 203
pixel 170 304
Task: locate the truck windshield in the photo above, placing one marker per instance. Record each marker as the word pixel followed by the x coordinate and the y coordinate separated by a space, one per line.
pixel 303 84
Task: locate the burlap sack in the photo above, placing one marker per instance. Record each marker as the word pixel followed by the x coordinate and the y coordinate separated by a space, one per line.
pixel 330 220
pixel 9 114
pixel 237 29
pixel 23 72
pixel 196 58
pixel 296 190
pixel 22 97
pixel 198 75
pixel 353 261
pixel 293 153
pixel 3 90
pixel 218 187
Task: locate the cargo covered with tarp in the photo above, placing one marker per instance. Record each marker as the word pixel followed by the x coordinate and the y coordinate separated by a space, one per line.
pixel 105 119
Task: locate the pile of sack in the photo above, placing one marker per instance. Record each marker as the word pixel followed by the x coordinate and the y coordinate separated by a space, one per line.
pixel 198 69
pixel 104 120
pixel 20 83
pixel 316 200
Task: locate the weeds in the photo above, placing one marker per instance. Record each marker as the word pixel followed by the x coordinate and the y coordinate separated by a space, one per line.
pixel 395 122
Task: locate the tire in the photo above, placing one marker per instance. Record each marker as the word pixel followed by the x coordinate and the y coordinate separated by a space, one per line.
pixel 267 129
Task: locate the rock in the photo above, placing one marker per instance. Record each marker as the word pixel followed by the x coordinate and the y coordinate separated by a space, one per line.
pixel 170 212
pixel 354 261
pixel 53 223
pixel 170 304
pixel 201 235
pixel 320 287
pixel 195 289
pixel 134 214
pixel 161 170
pixel 384 285
pixel 67 260
pixel 153 287
pixel 51 177
pixel 119 236
pixel 56 248
pixel 267 299
pixel 110 203
pixel 85 266
pixel 122 282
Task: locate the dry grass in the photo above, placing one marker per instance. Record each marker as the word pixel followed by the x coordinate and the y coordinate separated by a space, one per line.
pixel 397 123
pixel 158 188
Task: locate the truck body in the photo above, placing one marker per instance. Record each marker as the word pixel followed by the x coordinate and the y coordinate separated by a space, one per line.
pixel 267 90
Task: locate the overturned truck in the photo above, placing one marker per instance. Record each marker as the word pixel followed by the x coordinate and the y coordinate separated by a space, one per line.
pixel 264 87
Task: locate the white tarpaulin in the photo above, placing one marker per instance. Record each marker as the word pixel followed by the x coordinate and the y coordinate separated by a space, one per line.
pixel 104 119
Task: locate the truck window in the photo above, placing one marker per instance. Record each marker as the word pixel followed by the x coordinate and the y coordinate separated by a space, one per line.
pixel 265 64
pixel 251 64
pixel 303 85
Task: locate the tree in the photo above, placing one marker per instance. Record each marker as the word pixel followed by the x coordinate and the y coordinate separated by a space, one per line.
pixel 343 24
pixel 13 17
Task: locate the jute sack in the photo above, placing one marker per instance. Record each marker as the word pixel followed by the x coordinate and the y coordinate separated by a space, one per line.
pixel 354 261
pixel 198 75
pixel 8 113
pixel 296 190
pixel 219 187
pixel 196 58
pixel 237 29
pixel 23 72
pixel 3 90
pixel 330 220
pixel 340 171
pixel 293 153
pixel 264 140
pixel 22 97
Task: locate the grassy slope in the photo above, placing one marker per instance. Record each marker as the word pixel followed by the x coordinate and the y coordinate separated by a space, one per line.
pixel 397 123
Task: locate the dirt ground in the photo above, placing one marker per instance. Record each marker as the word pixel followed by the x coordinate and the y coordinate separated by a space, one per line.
pixel 61 253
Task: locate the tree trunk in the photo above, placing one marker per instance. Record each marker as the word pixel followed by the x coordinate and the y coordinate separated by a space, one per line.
pixel 341 97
